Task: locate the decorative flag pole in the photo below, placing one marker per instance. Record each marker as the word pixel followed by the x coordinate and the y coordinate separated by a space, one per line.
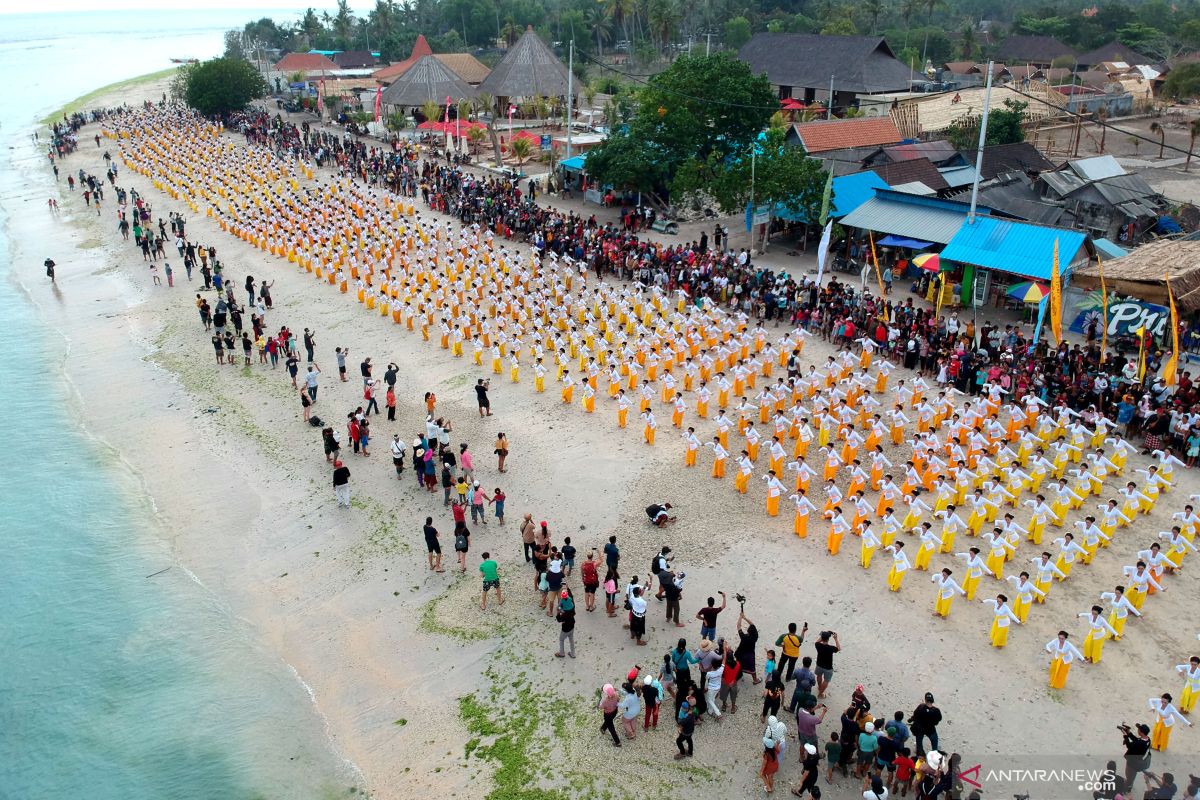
pixel 1171 367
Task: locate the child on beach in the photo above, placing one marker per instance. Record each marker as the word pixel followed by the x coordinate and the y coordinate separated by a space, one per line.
pixel 498 501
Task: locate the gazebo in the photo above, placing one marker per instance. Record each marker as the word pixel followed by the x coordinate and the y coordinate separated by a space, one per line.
pixel 427 80
pixel 528 69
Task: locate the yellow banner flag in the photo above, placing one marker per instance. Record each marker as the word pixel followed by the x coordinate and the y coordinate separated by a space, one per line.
pixel 1141 334
pixel 1172 365
pixel 878 274
pixel 1104 309
pixel 1056 298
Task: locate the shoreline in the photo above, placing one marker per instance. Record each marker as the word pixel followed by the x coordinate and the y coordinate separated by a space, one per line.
pixel 89 273
pixel 87 101
pixel 320 590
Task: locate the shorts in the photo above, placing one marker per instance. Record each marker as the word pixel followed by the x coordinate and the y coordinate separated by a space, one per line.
pixel 889 765
pixel 434 546
pixel 570 562
pixel 590 588
pixel 866 757
pixel 491 584
pixel 821 672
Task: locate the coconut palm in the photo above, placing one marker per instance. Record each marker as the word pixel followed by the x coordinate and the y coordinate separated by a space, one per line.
pixel 619 11
pixel 1101 116
pixel 521 148
pixel 908 10
pixel 431 111
pixel 1156 127
pixel 873 8
pixel 601 25
pixel 475 137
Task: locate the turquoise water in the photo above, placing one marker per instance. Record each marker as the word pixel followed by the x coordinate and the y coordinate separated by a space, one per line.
pixel 114 684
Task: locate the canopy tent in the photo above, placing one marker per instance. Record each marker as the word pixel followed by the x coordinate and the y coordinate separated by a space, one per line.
pixel 572 164
pixel 528 69
pixel 1016 247
pixel 892 240
pixel 1143 272
pixel 427 80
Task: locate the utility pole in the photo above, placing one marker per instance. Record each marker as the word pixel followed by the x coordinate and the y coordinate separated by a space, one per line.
pixel 987 99
pixel 829 103
pixel 708 44
pixel 570 92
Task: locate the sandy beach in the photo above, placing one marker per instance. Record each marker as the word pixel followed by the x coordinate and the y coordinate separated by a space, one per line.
pixel 416 684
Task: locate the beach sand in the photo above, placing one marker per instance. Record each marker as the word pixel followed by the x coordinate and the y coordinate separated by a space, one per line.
pixel 427 696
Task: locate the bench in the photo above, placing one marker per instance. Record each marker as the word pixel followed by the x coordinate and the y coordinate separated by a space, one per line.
pixel 665 226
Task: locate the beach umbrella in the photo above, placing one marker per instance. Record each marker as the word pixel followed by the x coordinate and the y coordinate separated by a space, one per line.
pixel 930 262
pixel 1028 292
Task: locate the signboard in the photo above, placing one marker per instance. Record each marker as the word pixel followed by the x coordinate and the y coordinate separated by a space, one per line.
pixel 545 141
pixel 757 216
pixel 1125 315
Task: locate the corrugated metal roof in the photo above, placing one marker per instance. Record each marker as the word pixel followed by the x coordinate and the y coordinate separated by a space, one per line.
pixel 1096 168
pixel 909 215
pixel 958 176
pixel 849 192
pixel 1016 247
pixel 1109 249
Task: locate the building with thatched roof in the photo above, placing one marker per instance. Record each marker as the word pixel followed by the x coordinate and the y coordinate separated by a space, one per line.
pixel 1143 272
pixel 464 65
pixel 528 69
pixel 427 80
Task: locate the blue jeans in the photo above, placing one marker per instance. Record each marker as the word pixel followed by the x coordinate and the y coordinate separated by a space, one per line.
pixel 708 633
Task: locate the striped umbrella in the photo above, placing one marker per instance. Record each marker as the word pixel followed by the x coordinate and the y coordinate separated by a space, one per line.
pixel 1028 292
pixel 930 262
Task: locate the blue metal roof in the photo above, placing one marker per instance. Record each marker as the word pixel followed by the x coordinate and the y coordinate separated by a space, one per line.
pixel 1109 249
pixel 849 192
pixel 572 164
pixel 911 216
pixel 1016 247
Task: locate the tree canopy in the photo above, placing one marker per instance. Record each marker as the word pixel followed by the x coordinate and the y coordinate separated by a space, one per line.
pixel 1183 82
pixel 222 85
pixel 777 174
pixel 1004 127
pixel 700 106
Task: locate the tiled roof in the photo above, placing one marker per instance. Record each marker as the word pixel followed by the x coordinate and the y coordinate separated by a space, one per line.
pixel 390 73
pixel 465 66
pixel 836 134
pixel 305 62
pixel 917 169
pixel 1032 49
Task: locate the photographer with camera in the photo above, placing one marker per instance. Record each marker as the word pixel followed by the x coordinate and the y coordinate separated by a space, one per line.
pixel 825 650
pixel 1137 751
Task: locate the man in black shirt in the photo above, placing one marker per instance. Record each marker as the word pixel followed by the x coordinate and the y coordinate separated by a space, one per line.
pixel 433 546
pixel 1137 752
pixel 825 650
pixel 481 394
pixel 310 342
pixel 341 484
pixel 365 369
pixel 686 723
pixel 389 375
pixel 924 722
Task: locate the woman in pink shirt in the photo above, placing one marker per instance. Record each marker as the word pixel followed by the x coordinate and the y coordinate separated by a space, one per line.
pixel 466 461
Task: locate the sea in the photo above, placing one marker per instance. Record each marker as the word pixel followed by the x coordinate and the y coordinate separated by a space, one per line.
pixel 118 680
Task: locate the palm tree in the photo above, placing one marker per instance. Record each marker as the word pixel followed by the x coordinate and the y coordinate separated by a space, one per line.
pixel 396 121
pixel 1193 132
pixel 873 8
pixel 969 41
pixel 343 23
pixel 475 137
pixel 930 6
pixel 521 148
pixel 664 17
pixel 598 20
pixel 510 32
pixel 431 111
pixel 1162 137
pixel 619 11
pixel 908 9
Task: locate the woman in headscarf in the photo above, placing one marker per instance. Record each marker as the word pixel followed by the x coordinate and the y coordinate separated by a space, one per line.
pixel 608 706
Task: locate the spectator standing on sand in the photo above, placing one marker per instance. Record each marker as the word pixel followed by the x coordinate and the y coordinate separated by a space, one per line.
pixel 490 571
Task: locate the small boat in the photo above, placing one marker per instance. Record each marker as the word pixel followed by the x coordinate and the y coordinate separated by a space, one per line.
pixel 185 61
